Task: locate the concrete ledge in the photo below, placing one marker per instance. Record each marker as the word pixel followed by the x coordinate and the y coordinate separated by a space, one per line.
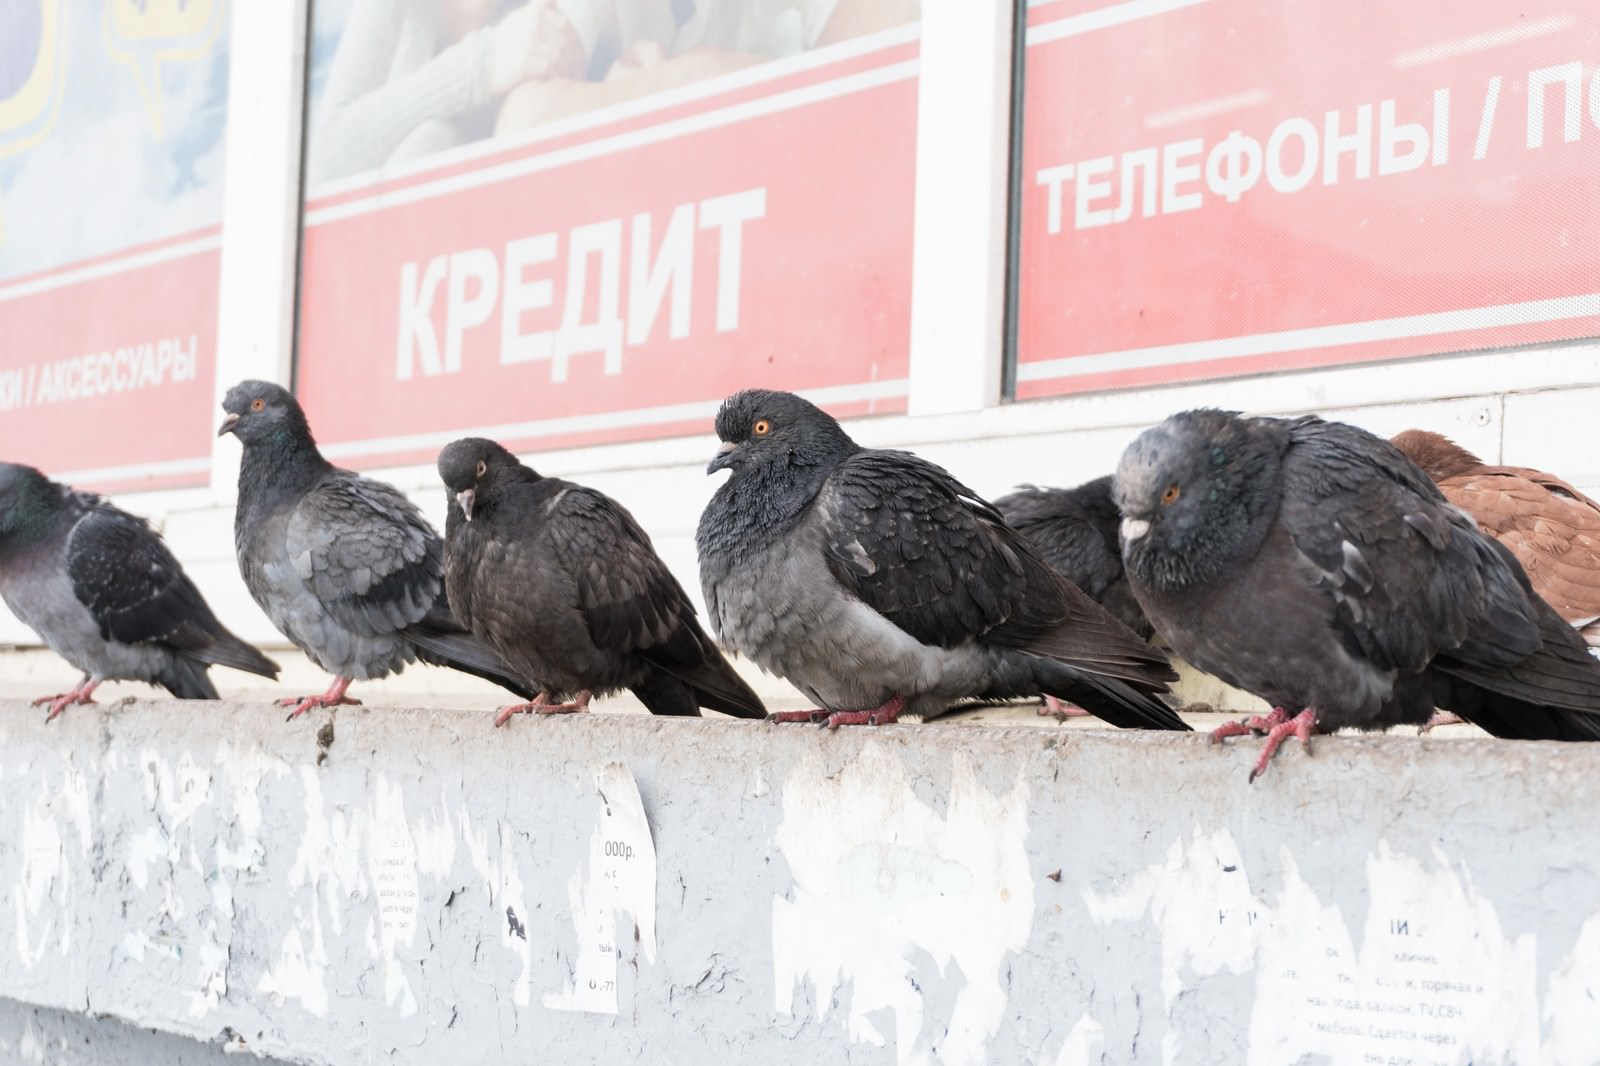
pixel 414 886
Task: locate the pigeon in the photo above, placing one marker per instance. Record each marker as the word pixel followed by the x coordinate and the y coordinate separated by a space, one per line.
pixel 562 582
pixel 1075 531
pixel 101 588
pixel 881 586
pixel 346 567
pixel 1311 563
pixel 1551 527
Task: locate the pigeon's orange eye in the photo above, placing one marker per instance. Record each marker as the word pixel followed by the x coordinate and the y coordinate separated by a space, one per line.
pixel 258 405
pixel 1172 493
pixel 761 428
pixel 483 468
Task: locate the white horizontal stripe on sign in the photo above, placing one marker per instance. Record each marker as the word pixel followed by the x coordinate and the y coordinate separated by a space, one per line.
pixel 1295 340
pixel 1115 15
pixel 643 416
pixel 725 116
pixel 760 73
pixel 1483 42
pixel 136 471
pixel 1220 105
pixel 110 267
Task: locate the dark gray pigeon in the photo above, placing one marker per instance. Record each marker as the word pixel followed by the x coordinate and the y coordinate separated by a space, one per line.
pixel 880 585
pixel 1313 564
pixel 346 567
pixel 1075 531
pixel 561 581
pixel 101 588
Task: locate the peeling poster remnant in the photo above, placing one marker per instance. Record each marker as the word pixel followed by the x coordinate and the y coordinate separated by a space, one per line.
pixel 618 879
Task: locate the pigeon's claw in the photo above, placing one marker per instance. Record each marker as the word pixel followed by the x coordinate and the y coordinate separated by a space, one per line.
pixel 82 694
pixel 1301 725
pixel 541 704
pixel 882 715
pixel 1440 718
pixel 798 716
pixel 1061 710
pixel 331 698
pixel 1255 725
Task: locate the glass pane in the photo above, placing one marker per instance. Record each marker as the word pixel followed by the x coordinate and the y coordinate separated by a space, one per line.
pixel 589 220
pixel 112 122
pixel 1235 186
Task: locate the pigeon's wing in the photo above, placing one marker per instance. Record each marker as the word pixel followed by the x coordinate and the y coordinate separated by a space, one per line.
pixel 132 585
pixel 1411 577
pixel 1551 527
pixel 366 553
pixel 1065 536
pixel 629 599
pixel 920 548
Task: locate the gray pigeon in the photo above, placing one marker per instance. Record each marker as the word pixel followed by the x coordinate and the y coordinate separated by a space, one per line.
pixel 564 584
pixel 880 585
pixel 1313 564
pixel 346 567
pixel 101 588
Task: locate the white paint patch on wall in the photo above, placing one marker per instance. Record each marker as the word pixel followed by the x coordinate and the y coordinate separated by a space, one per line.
pixel 392 866
pixel 46 895
pixel 1084 1045
pixel 1572 1003
pixel 502 880
pixel 881 878
pixel 619 878
pixel 1433 979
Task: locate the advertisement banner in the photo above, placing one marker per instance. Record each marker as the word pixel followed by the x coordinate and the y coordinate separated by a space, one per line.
pixel 1221 187
pixel 613 246
pixel 112 118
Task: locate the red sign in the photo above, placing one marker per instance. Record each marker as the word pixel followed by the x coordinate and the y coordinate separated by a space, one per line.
pixel 615 278
pixel 1233 186
pixel 107 367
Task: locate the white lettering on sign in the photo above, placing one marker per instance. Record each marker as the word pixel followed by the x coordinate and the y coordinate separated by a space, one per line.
pixel 618 878
pixel 575 282
pixel 1299 150
pixel 145 365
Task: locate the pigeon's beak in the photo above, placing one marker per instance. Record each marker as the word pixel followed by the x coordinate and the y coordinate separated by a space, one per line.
pixel 1134 528
pixel 465 498
pixel 227 425
pixel 724 458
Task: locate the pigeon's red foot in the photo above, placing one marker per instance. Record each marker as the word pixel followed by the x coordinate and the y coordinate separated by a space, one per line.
pixel 1301 725
pixel 1061 710
pixel 882 715
pixel 331 698
pixel 1255 725
pixel 82 694
pixel 541 704
pixel 798 716
pixel 1441 718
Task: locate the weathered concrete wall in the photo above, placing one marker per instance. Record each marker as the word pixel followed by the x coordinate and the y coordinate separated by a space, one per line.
pixel 66 1038
pixel 415 887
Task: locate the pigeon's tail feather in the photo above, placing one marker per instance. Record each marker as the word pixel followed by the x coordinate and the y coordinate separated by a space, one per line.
pixel 465 652
pixel 661 693
pixel 225 649
pixel 186 679
pixel 1553 694
pixel 718 687
pixel 1107 698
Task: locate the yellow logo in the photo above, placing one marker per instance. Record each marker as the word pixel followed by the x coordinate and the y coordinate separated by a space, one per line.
pixel 30 92
pixel 144 34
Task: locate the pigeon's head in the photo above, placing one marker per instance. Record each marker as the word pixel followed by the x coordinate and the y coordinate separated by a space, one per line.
pixel 262 411
pixel 472 468
pixel 27 500
pixel 1438 456
pixel 1190 492
pixel 766 430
